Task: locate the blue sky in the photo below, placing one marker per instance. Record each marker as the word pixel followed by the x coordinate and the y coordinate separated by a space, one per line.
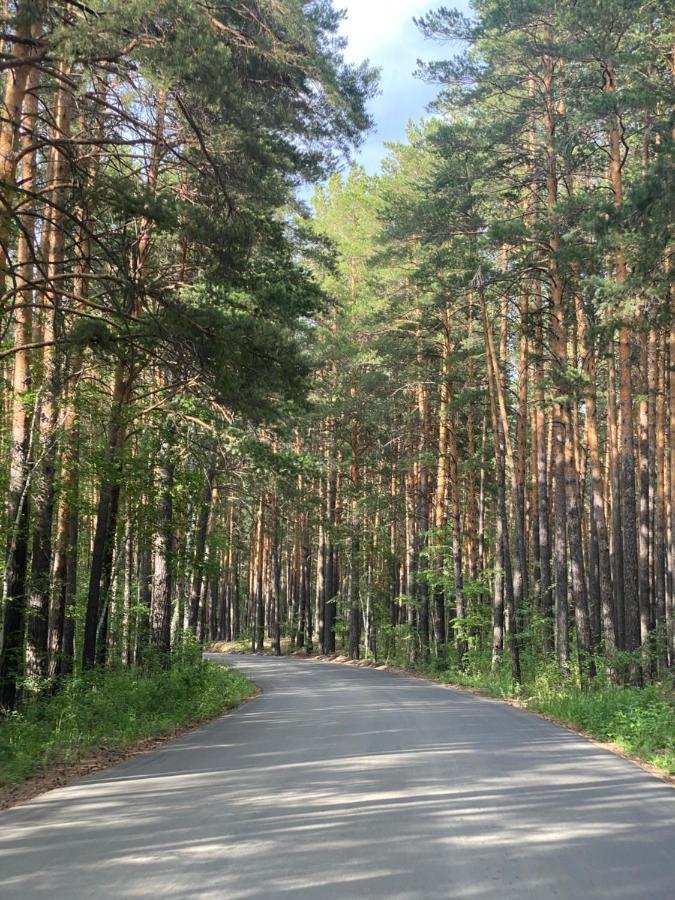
pixel 383 32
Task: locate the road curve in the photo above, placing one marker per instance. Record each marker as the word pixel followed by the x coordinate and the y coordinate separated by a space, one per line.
pixel 345 782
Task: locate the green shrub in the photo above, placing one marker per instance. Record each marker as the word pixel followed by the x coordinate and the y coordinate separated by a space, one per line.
pixel 641 721
pixel 108 709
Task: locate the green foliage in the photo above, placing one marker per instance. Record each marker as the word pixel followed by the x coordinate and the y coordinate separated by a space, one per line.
pixel 108 709
pixel 641 721
pixel 398 642
pixel 94 334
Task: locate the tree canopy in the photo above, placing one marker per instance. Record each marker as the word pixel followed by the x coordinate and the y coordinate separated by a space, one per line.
pixel 428 417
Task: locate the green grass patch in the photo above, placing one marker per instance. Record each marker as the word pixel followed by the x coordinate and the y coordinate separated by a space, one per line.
pixel 114 709
pixel 641 721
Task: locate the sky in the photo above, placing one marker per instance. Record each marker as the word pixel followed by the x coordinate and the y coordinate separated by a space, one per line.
pixel 383 32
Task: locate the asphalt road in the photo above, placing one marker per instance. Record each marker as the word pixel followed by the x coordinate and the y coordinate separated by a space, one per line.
pixel 345 782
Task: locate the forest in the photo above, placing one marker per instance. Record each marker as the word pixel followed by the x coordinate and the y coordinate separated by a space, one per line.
pixel 254 394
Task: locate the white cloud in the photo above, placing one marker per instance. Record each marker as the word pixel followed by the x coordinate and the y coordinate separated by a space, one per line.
pixel 383 31
pixel 374 25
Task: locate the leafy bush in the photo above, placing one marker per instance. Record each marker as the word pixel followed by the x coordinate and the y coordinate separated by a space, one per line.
pixel 108 709
pixel 641 721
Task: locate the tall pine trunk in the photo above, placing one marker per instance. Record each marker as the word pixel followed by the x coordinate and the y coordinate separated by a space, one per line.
pixel 37 651
pixel 19 488
pixel 163 549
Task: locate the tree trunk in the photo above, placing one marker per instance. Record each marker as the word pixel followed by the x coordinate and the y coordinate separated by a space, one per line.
pixel 200 550
pixel 455 512
pixel 439 515
pixel 615 484
pixel 17 81
pixel 670 610
pixel 543 510
pixel 163 550
pixel 576 555
pixel 597 485
pixel 332 576
pixel 259 598
pixel 106 520
pixel 644 585
pixel 354 566
pixel 627 448
pixel 660 511
pixel 19 496
pixel 559 354
pixel 37 649
pixel 512 585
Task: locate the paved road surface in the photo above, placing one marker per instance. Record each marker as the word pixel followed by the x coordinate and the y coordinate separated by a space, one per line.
pixel 343 782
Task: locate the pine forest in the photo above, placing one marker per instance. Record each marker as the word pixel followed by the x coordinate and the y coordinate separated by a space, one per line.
pixel 255 395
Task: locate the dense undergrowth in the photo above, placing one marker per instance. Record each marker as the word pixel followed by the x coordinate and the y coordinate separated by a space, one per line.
pixel 640 721
pixel 114 709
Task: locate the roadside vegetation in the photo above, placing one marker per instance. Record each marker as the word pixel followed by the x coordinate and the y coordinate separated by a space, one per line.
pixel 641 722
pixel 638 721
pixel 97 712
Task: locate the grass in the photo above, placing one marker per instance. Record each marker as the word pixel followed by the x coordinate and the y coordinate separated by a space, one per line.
pixel 113 709
pixel 639 721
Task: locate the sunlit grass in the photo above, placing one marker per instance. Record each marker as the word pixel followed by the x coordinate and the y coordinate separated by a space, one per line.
pixel 114 709
pixel 640 721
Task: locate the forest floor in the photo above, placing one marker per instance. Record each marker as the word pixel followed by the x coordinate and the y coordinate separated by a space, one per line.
pixel 637 724
pixel 105 718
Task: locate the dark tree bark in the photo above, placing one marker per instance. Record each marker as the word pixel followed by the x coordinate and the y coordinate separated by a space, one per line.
pixel 163 551
pixel 200 551
pixel 106 524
